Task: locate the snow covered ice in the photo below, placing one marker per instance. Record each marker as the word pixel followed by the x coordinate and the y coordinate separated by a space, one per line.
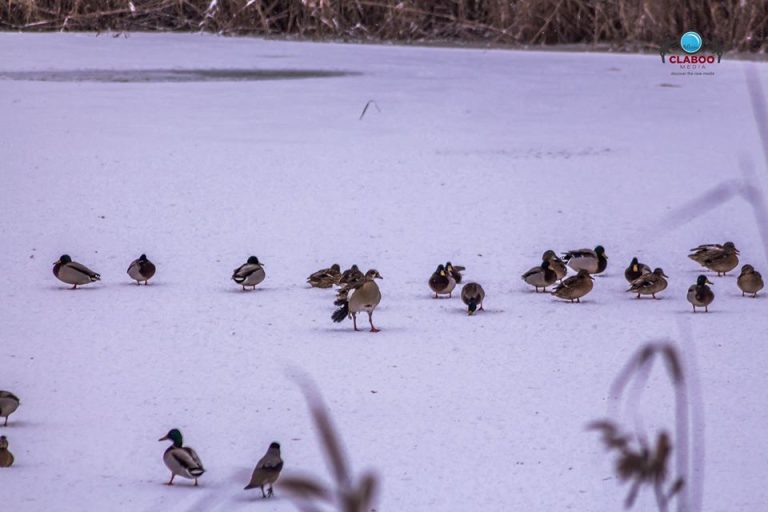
pixel 485 158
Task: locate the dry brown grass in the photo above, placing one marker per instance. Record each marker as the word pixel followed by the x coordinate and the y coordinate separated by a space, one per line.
pixel 739 24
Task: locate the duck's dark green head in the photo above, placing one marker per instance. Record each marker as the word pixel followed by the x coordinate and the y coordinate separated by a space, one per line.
pixel 3 442
pixel 143 258
pixel 599 250
pixel 173 435
pixel 545 264
pixel 64 260
pixel 702 280
pixel 274 446
pixel 471 307
pixel 253 260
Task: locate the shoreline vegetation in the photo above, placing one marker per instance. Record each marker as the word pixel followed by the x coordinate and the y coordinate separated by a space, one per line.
pixel 583 25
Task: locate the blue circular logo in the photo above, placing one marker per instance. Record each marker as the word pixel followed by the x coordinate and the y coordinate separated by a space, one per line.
pixel 691 42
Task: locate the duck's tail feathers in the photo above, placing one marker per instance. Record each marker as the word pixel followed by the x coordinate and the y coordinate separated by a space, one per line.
pixel 340 314
pixel 250 486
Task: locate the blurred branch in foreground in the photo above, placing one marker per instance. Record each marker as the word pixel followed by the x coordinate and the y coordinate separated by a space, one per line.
pixel 311 494
pixel 637 461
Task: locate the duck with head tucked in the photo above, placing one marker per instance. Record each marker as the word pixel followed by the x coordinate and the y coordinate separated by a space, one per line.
pixel 326 277
pixel 141 269
pixel 249 273
pixel 719 258
pixel 574 287
pixel 593 261
pixel 749 281
pixel 72 272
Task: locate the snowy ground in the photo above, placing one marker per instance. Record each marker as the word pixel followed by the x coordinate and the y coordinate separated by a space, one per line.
pixel 486 158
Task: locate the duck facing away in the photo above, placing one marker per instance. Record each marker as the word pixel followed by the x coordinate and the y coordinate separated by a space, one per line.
pixel 141 269
pixel 472 294
pixel 6 457
pixel 700 295
pixel 181 460
pixel 635 270
pixel 574 287
pixel 8 405
pixel 541 276
pixel 750 281
pixel 72 272
pixel 442 282
pixel 267 470
pixel 593 261
pixel 249 273
pixel 716 257
pixel 555 263
pixel 455 271
pixel 649 283
pixel 362 295
pixel 350 275
pixel 326 277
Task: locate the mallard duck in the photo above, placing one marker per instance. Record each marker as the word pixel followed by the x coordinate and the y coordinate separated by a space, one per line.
pixel 472 294
pixel 73 273
pixel 442 282
pixel 555 263
pixel 365 296
pixel 350 275
pixel 720 258
pixel 325 278
pixel 8 404
pixel 455 271
pixel 649 283
pixel 141 269
pixel 6 457
pixel 541 276
pixel 267 470
pixel 635 270
pixel 181 460
pixel 249 273
pixel 574 287
pixel 700 295
pixel 750 280
pixel 593 261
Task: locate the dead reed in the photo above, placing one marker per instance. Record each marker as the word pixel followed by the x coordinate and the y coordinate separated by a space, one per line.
pixel 345 494
pixel 639 462
pixel 633 24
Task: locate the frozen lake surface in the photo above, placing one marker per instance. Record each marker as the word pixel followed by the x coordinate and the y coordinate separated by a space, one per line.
pixel 116 146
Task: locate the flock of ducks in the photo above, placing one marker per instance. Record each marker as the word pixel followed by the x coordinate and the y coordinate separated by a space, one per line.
pixel 358 293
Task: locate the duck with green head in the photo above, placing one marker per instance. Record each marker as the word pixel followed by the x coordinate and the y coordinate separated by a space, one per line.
pixel 181 460
pixel 541 276
pixel 6 457
pixel 593 261
pixel 72 272
pixel 249 273
pixel 700 295
pixel 141 269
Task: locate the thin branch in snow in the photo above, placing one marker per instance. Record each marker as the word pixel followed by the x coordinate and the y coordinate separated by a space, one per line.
pixel 370 102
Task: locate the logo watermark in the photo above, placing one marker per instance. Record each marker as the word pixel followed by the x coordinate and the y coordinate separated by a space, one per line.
pixel 691 54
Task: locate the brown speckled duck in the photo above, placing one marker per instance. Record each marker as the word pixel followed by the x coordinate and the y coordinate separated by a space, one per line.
pixel 749 281
pixel 716 257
